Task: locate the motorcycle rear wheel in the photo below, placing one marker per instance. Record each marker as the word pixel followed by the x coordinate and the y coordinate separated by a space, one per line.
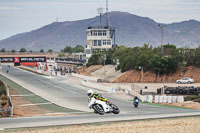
pixel 136 105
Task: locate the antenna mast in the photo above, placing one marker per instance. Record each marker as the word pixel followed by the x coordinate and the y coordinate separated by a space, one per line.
pixel 100 12
pixel 107 13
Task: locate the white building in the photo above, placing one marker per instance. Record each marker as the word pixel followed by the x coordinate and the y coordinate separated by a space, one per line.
pixel 99 39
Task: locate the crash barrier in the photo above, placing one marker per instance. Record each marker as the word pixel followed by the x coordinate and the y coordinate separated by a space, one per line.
pixel 147 98
pixel 38 71
pixel 162 99
pixel 85 77
pixel 8 110
pixel 98 86
pixel 180 90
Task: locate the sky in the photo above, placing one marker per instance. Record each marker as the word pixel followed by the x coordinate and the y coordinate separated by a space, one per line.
pixel 18 16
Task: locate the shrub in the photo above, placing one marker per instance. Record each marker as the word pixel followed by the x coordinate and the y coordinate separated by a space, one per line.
pixel 197 100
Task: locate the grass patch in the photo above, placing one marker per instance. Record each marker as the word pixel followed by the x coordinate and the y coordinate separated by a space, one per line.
pixel 56 108
pixel 19 89
pixel 36 99
pixel 161 105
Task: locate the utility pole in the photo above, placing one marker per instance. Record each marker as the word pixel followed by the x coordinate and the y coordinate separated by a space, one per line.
pixel 107 13
pixel 142 74
pixel 161 29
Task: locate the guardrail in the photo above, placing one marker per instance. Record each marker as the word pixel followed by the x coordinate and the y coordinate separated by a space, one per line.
pixel 9 100
pixel 85 77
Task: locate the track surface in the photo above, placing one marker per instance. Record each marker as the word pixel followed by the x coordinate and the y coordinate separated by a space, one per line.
pixel 75 97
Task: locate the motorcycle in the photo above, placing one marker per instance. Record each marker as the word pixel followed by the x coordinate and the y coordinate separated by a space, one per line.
pixel 136 103
pixel 102 107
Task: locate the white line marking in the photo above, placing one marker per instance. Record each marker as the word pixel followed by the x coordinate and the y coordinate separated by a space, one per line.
pixel 23 105
pixel 56 113
pixel 57 86
pixel 27 95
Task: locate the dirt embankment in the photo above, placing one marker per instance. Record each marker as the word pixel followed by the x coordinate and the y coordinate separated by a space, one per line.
pixel 134 76
pixel 87 71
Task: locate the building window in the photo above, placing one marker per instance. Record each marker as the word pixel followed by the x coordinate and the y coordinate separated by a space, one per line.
pixel 95 43
pixel 104 33
pixel 99 33
pixel 104 42
pixel 95 33
pixel 99 42
pixel 108 42
pixel 88 51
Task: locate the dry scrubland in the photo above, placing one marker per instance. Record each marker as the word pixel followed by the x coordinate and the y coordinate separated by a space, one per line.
pixel 173 125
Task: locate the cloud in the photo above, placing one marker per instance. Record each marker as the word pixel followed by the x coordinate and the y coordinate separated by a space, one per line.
pixel 7 8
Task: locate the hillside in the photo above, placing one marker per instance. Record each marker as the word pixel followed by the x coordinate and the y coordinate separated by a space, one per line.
pixel 134 76
pixel 131 30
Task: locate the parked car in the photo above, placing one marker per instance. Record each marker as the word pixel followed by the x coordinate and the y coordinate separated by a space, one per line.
pixel 185 80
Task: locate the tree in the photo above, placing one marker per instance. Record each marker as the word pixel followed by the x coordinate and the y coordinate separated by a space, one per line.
pixel 109 56
pixel 50 50
pixel 61 54
pixel 68 49
pixel 13 51
pixel 95 59
pixel 41 50
pixel 78 49
pixel 31 51
pixel 156 64
pixel 22 50
pixel 3 50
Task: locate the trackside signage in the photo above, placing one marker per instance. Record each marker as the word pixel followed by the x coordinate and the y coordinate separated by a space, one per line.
pixel 22 59
pixel 6 59
pixel 32 59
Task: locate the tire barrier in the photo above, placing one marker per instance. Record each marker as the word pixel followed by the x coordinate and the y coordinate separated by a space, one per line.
pixel 162 99
pixel 181 90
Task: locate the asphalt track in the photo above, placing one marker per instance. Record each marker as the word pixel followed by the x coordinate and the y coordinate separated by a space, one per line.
pixel 73 97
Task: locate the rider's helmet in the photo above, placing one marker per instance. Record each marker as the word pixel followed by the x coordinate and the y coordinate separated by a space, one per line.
pixel 135 97
pixel 90 93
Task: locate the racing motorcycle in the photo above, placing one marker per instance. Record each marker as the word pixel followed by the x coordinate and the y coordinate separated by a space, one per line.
pixel 136 102
pixel 102 107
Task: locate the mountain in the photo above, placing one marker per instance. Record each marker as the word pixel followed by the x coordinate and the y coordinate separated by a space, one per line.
pixel 131 30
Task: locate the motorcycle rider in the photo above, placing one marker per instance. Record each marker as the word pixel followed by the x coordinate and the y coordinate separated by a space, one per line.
pixel 136 101
pixel 96 95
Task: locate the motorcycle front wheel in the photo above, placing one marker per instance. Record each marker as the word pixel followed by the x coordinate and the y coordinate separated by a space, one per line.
pixel 98 108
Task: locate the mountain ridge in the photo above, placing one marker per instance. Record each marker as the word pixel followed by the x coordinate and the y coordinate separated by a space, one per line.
pixel 131 30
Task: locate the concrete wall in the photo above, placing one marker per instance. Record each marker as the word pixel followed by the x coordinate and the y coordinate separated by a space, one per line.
pixel 98 87
pixel 85 77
